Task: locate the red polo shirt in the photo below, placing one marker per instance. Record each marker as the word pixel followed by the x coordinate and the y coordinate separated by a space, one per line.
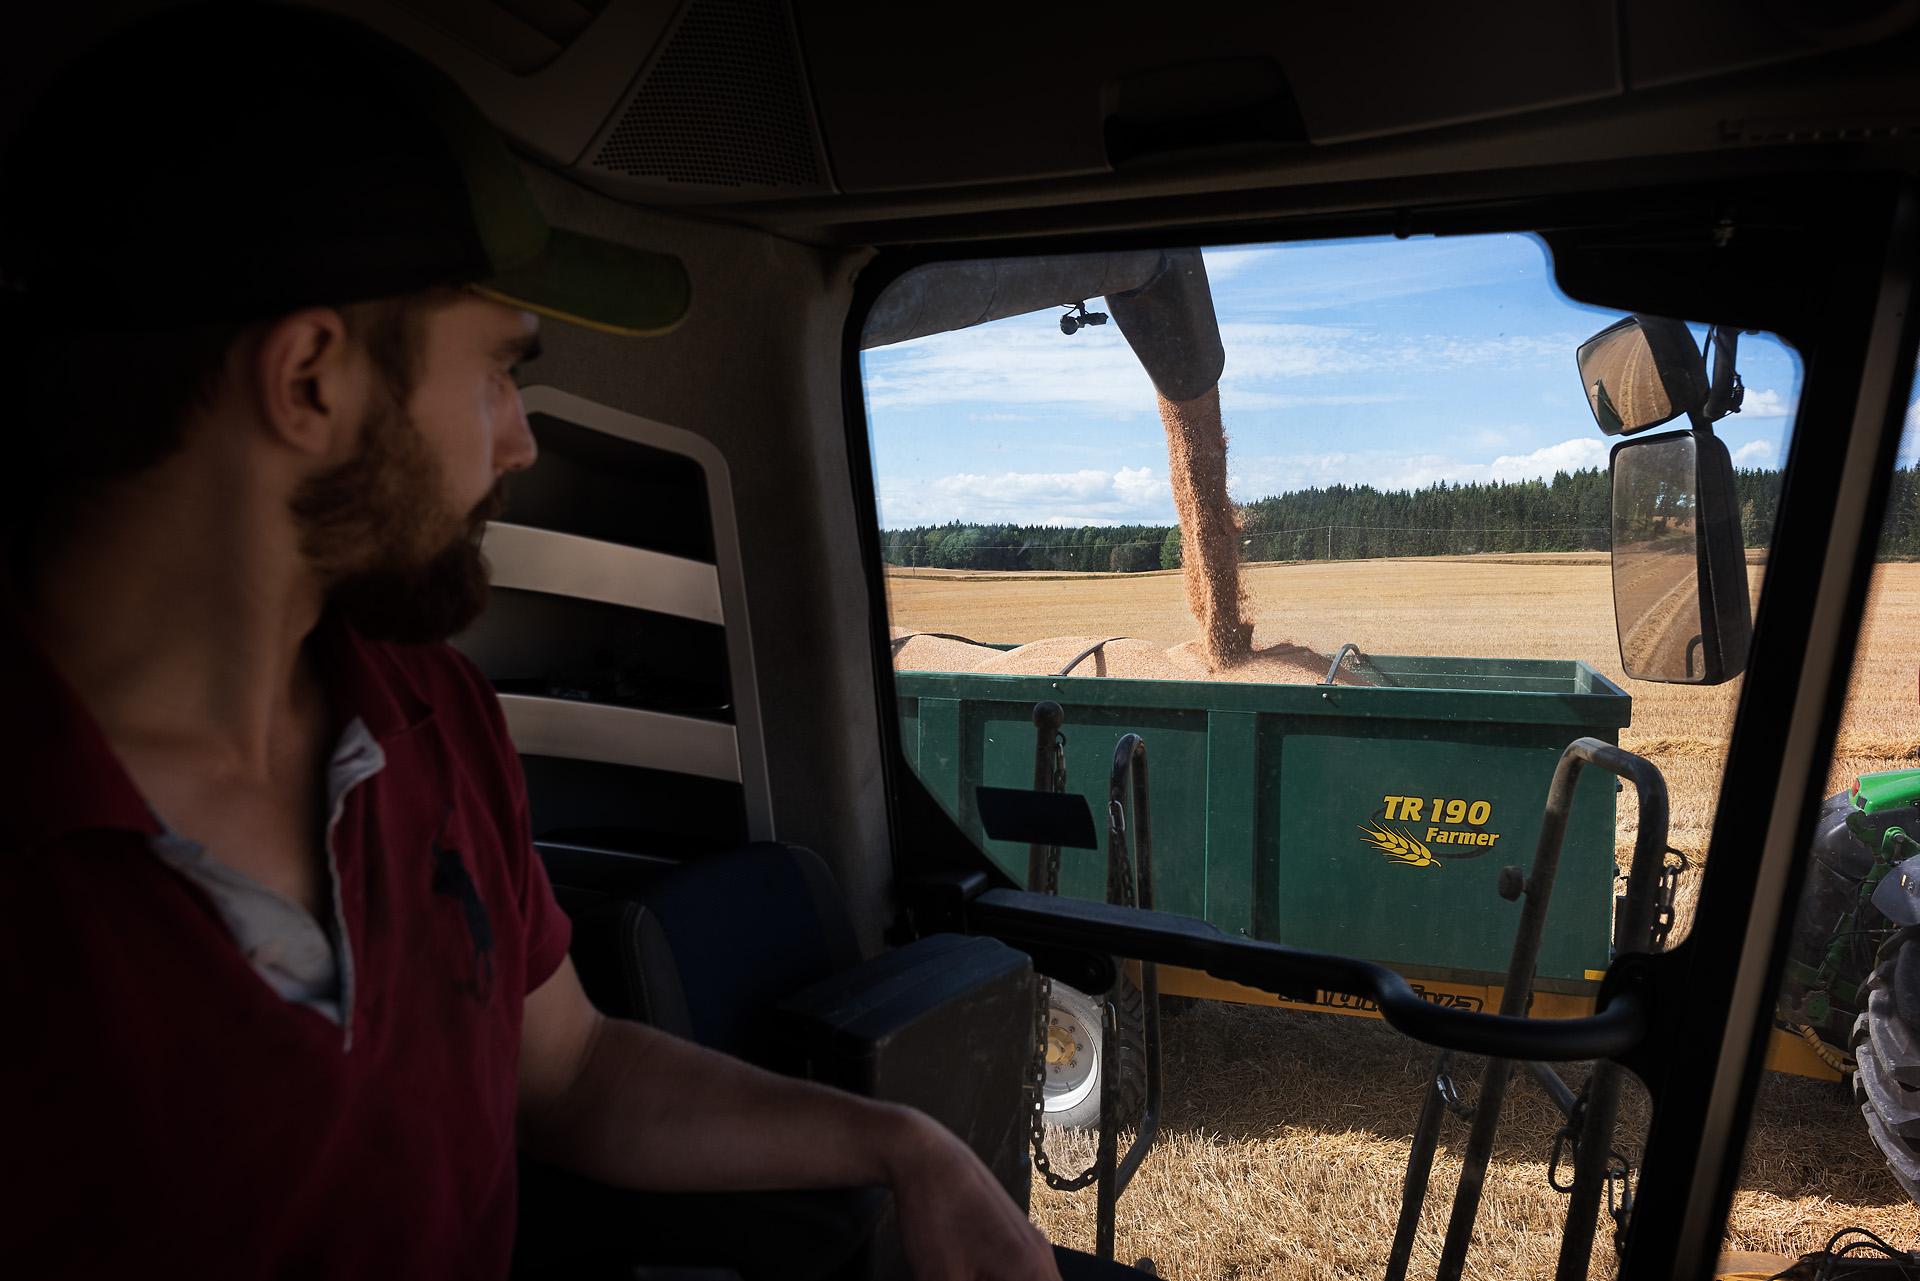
pixel 166 1112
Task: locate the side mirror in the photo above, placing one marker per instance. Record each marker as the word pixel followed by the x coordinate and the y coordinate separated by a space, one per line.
pixel 1641 372
pixel 1679 564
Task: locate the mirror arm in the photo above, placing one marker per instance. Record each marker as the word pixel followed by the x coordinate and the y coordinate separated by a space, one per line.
pixel 1721 392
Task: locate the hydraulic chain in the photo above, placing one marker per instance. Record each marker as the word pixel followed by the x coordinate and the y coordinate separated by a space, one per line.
pixel 1449 1091
pixel 1058 1182
pixel 1037 1071
pixel 1619 1177
pixel 1052 884
pixel 1666 891
pixel 1119 865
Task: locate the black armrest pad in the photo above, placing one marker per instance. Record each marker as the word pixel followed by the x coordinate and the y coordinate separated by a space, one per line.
pixel 589 1230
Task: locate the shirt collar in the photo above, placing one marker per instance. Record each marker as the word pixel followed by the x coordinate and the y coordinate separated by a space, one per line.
pixel 63 776
pixel 364 679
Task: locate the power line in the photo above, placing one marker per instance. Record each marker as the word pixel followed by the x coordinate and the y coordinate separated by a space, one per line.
pixel 1269 533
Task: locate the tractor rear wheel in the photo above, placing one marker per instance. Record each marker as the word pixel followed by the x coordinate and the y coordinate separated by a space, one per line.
pixel 1886 1053
pixel 1074 1079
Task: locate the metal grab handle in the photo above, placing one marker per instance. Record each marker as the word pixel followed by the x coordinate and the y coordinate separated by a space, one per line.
pixel 1528 937
pixel 1037 920
pixel 1333 668
pixel 1087 653
pixel 1633 935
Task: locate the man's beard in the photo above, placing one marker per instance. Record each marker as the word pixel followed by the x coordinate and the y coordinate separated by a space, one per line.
pixel 398 565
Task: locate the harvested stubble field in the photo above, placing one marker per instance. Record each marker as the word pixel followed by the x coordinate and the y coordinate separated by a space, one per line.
pixel 1286 1134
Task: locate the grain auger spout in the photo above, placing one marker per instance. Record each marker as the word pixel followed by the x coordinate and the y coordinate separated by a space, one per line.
pixel 1170 324
pixel 1163 304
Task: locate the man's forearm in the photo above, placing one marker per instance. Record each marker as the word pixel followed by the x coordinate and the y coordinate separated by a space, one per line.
pixel 650 1111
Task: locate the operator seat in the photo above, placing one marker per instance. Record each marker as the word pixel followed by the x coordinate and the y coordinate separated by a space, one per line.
pixel 705 950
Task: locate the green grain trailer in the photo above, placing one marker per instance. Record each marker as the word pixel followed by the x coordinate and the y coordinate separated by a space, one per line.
pixel 1368 820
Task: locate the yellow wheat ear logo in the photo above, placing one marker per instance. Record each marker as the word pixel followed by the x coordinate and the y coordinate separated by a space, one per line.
pixel 1398 846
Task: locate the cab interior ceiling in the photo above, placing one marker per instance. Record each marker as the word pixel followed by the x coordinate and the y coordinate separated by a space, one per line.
pixel 984 138
pixel 859 122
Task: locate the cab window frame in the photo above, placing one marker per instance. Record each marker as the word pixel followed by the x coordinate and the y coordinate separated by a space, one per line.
pixel 1842 312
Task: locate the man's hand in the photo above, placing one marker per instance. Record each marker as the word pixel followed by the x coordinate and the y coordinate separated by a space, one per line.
pixel 957 1221
pixel 634 1107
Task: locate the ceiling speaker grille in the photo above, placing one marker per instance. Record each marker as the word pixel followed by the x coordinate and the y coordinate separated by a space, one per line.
pixel 723 105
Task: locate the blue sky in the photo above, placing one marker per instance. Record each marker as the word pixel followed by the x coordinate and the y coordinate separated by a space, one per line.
pixel 1383 362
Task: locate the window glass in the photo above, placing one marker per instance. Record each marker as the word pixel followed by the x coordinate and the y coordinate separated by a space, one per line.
pixel 1829 1154
pixel 1327 525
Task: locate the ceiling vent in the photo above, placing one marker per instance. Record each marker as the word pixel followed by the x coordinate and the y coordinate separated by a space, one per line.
pixel 722 107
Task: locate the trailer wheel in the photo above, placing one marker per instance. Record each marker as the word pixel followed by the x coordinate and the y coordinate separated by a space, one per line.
pixel 1072 1094
pixel 1886 1052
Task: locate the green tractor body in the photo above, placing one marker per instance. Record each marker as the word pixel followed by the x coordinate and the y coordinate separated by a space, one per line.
pixel 1853 972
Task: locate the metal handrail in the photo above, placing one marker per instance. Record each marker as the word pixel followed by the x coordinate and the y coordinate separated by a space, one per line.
pixel 1333 668
pixel 1602 1093
pixel 1027 920
pixel 899 643
pixel 1086 653
pixel 1633 935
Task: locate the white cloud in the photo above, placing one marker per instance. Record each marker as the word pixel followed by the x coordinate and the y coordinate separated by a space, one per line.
pixel 1225 264
pixel 1090 496
pixel 1233 399
pixel 1322 276
pixel 1767 403
pixel 1259 476
pixel 1026 364
pixel 1755 453
pixel 1568 455
pixel 1141 495
pixel 1010 366
pixel 1442 351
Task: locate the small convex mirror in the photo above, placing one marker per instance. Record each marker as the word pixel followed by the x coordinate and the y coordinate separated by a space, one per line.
pixel 1640 372
pixel 1679 568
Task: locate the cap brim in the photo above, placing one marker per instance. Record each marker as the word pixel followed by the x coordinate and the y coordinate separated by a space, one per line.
pixel 597 283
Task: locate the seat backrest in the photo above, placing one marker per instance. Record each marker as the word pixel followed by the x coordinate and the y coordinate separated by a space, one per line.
pixel 624 960
pixel 710 947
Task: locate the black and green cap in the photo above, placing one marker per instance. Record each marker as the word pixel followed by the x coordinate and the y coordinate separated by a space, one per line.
pixel 229 162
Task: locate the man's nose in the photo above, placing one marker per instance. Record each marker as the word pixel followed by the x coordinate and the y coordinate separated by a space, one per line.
pixel 514 448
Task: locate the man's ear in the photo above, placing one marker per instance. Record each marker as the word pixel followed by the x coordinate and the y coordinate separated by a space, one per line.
pixel 308 388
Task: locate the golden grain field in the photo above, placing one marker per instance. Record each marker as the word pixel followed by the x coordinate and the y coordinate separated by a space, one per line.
pixel 1287 1134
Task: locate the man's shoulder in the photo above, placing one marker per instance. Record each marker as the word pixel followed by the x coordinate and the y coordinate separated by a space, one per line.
pixel 438 678
pixel 431 668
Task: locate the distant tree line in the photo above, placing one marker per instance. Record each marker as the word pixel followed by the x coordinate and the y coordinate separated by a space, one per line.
pixel 1353 522
pixel 1117 549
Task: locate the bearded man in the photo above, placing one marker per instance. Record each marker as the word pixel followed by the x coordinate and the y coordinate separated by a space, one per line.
pixel 283 977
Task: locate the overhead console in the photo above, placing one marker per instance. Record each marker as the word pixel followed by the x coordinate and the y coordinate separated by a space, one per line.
pixel 737 102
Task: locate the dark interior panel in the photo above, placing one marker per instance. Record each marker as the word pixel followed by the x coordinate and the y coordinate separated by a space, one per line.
pixel 564 647
pixel 619 491
pixel 638 811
